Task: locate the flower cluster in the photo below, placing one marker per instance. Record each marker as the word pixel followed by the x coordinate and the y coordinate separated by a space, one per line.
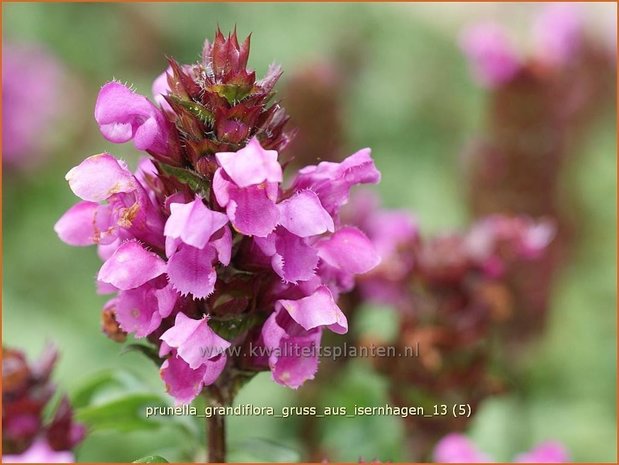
pixel 495 61
pixel 457 448
pixel 204 246
pixel 26 392
pixel 539 106
pixel 451 294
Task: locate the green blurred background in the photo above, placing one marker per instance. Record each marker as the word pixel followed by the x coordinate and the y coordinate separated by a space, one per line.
pixel 413 102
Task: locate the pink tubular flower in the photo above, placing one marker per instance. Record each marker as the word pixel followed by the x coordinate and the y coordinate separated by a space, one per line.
pixel 194 341
pixel 457 448
pixel 492 57
pixel 123 115
pixel 204 246
pixel 292 335
pixel 247 183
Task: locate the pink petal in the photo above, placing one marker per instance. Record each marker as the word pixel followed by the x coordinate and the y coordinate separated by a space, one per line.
pixel 349 250
pixel 303 215
pixel 251 165
pixel 251 212
pixel 214 367
pixel 166 300
pixel 293 359
pixel 182 383
pixel 316 310
pixel 76 227
pixel 292 258
pixel 223 246
pixel 123 115
pixel 193 223
pixel 136 311
pixel 191 271
pixel 195 341
pixel 160 88
pixel 332 181
pixel 222 187
pixel 100 176
pixel 131 266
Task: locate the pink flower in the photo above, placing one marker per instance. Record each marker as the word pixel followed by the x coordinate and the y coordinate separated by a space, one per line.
pixel 332 181
pixel 246 185
pixel 40 452
pixel 457 448
pixel 292 335
pixel 195 342
pixel 558 33
pixel 490 54
pixel 497 239
pixel 128 210
pixel 31 78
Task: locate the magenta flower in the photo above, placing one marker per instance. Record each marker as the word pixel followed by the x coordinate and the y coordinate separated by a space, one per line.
pixel 204 246
pixel 457 448
pixel 123 115
pixel 26 392
pixel 491 55
pixel 247 183
pixel 292 335
pixel 31 78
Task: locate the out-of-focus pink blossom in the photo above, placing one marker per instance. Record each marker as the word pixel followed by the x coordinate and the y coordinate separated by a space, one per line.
pixel 491 55
pixel 457 448
pixel 40 452
pixel 26 392
pixel 558 33
pixel 32 80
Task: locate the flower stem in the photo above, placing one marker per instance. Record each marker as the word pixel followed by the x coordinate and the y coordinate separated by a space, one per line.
pixel 216 425
pixel 216 439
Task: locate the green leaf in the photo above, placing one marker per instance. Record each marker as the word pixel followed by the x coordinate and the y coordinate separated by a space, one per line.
pixel 148 351
pixel 196 182
pixel 127 413
pixel 151 459
pixel 262 450
pixel 233 93
pixel 102 384
pixel 196 109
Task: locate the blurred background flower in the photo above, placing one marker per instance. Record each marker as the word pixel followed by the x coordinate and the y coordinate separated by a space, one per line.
pixel 392 77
